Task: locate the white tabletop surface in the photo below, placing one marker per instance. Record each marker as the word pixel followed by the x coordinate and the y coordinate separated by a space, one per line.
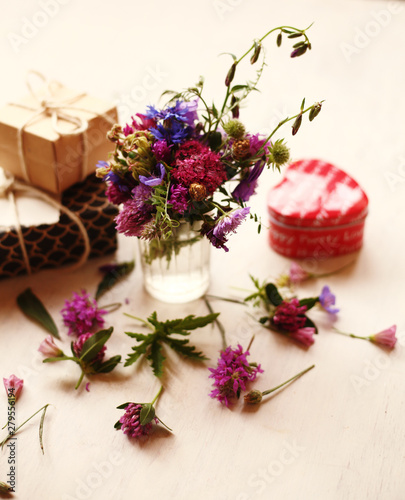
pixel 338 432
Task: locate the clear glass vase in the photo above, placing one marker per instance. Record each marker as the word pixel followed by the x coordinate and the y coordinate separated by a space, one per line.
pixel 176 269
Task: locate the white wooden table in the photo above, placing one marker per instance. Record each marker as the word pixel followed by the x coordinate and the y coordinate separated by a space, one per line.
pixel 338 432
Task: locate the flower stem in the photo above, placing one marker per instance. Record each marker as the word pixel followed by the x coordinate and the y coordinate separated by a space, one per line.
pixel 350 334
pixel 80 380
pixel 19 427
pixel 250 343
pixel 138 319
pixel 264 393
pixel 157 395
pixel 218 323
pixel 114 306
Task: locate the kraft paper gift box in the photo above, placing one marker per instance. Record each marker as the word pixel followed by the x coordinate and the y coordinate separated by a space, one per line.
pixel 55 136
pixel 51 237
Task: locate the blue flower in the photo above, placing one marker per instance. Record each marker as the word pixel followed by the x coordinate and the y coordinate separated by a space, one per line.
pixel 153 180
pixel 327 300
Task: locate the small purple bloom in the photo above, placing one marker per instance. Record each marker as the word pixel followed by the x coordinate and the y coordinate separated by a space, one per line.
pixel 327 300
pixel 127 130
pixel 131 422
pixel 179 198
pixel 289 316
pixel 161 150
pixel 246 188
pixel 230 221
pixel 208 231
pixel 232 373
pixel 135 212
pixel 82 315
pixel 153 180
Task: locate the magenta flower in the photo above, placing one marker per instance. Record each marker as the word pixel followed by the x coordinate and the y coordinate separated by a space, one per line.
pixel 82 315
pixel 179 198
pixel 229 222
pixel 304 335
pixel 13 386
pixel 289 316
pixel 131 422
pixel 385 337
pixel 127 130
pixel 327 300
pixel 231 374
pixel 49 348
pixel 136 212
pixel 297 274
pixel 78 346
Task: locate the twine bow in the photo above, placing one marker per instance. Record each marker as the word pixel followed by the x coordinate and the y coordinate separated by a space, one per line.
pixel 56 109
pixel 8 189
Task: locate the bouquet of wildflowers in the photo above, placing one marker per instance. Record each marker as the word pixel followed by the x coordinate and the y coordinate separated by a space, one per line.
pixel 195 162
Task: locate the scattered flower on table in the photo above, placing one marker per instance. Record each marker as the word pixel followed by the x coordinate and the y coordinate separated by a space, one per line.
pixel 304 335
pixel 385 338
pixel 82 314
pixel 138 418
pixel 13 386
pixel 49 348
pixel 327 299
pixel 232 373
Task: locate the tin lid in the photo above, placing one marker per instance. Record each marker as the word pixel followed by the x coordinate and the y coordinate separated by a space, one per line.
pixel 314 193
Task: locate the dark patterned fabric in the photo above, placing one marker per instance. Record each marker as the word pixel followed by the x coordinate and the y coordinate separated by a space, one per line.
pixel 53 245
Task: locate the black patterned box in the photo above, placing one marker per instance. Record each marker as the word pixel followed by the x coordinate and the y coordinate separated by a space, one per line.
pixel 60 243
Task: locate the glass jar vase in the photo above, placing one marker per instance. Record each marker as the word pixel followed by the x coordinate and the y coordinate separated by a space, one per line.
pixel 176 269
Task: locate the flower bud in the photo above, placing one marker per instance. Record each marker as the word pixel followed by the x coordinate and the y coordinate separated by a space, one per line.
pixel 256 53
pixel 5 488
pixel 114 133
pixel 316 109
pixel 230 75
pixel 13 386
pixel 297 124
pixel 299 51
pixel 49 348
pixel 279 39
pixel 253 397
pixel 235 109
pixel 280 154
pixel 198 192
pixel 241 149
pixel 235 129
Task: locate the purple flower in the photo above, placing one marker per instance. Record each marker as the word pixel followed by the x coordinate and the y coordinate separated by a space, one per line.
pixel 135 212
pixel 82 315
pixel 289 316
pixel 153 180
pixel 127 130
pixel 176 121
pixel 246 188
pixel 78 346
pixel 131 422
pixel 232 373
pixel 229 222
pixel 179 198
pixel 327 300
pixel 161 151
pixel 208 231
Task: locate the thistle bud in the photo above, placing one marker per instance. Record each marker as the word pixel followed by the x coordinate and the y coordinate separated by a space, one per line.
pixel 280 154
pixel 230 75
pixel 256 53
pixel 198 192
pixel 114 133
pixel 241 149
pixel 297 124
pixel 316 109
pixel 253 397
pixel 235 129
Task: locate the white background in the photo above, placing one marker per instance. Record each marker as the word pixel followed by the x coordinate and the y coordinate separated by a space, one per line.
pixel 338 432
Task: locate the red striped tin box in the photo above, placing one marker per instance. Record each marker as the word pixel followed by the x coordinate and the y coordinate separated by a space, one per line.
pixel 317 210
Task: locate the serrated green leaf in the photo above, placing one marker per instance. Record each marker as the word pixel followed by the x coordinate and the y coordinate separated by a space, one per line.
pixel 34 309
pixel 273 295
pixel 94 344
pixel 183 347
pixel 156 359
pixel 190 323
pixel 309 302
pixel 147 414
pixel 109 365
pixel 137 336
pixel 138 351
pixel 112 277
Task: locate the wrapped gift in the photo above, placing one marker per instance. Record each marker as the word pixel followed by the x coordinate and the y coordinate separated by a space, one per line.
pixel 317 210
pixel 55 136
pixel 49 234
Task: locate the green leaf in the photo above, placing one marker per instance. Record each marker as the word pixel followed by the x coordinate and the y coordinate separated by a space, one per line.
pixel 139 350
pixel 157 359
pixel 182 347
pixel 109 365
pixel 32 307
pixel 310 324
pixel 264 320
pixel 41 429
pixel 123 406
pixel 189 323
pixel 59 358
pixel 117 425
pixel 229 54
pixel 273 295
pixel 113 276
pixel 147 414
pixel 309 302
pixel 137 336
pixel 94 344
pixel 237 88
